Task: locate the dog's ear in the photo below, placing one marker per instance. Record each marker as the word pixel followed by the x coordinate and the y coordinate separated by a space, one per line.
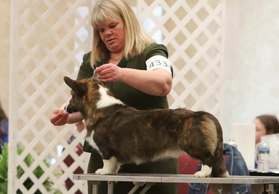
pixel 77 87
pixel 96 80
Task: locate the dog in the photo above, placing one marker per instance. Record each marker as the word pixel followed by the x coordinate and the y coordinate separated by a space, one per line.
pixel 122 134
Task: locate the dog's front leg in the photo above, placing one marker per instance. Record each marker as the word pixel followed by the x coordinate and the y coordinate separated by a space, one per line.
pixel 111 166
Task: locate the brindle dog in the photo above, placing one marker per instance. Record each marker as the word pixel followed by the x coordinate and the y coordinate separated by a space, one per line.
pixel 122 134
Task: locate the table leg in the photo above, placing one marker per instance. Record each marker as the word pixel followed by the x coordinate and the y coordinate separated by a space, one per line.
pixel 135 188
pixel 146 188
pixel 110 187
pixel 95 188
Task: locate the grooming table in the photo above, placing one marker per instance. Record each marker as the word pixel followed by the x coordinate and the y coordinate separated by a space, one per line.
pixel 148 179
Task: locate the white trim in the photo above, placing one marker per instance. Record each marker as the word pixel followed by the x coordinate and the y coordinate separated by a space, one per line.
pixel 12 103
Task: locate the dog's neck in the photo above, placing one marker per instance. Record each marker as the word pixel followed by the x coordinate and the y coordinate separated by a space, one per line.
pixel 101 108
pixel 106 99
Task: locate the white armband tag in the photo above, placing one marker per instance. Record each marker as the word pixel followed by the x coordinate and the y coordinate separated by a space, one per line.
pixel 158 62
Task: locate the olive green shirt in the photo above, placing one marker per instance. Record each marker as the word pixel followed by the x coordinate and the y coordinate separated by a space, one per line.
pixel 127 94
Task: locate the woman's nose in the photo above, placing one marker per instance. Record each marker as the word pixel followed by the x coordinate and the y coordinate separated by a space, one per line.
pixel 108 32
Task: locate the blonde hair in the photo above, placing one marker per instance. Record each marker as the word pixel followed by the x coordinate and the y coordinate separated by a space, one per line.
pixel 135 38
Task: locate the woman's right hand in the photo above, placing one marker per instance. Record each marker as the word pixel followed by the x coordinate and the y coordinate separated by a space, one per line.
pixel 59 117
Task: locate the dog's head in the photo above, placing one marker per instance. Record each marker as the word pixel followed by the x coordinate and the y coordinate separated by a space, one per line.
pixel 84 95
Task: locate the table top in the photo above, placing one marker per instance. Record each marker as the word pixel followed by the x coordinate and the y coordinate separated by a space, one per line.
pixel 178 178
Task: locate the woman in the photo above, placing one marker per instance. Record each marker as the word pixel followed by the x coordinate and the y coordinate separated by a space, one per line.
pixel 266 124
pixel 135 69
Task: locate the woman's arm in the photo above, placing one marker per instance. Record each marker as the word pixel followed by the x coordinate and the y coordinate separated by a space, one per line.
pixel 156 82
pixel 74 117
pixel 61 117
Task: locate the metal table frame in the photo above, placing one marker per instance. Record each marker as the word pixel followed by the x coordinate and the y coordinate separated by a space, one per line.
pixel 149 179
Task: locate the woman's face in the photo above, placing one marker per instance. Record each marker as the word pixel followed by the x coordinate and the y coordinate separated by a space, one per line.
pixel 112 34
pixel 260 130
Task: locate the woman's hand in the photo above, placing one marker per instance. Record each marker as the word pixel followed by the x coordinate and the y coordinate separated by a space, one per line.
pixel 59 117
pixel 109 72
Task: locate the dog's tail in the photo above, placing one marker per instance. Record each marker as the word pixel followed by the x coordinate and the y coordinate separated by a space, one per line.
pixel 219 167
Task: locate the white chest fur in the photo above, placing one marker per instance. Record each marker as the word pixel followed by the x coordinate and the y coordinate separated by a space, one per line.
pixel 91 142
pixel 106 99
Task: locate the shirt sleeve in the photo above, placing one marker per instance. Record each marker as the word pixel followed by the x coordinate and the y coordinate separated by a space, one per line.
pixel 85 70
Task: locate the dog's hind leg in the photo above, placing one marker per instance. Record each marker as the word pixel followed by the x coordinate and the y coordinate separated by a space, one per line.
pixel 206 159
pixel 111 166
pixel 207 165
pixel 212 165
pixel 219 166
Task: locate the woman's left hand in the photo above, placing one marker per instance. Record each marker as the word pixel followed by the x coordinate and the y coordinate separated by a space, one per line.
pixel 108 72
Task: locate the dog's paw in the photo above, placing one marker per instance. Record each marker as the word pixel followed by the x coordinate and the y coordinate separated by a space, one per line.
pixel 103 171
pixel 201 174
pixel 226 174
pixel 204 172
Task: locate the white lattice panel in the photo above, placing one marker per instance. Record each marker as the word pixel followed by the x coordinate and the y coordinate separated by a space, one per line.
pixel 193 33
pixel 49 39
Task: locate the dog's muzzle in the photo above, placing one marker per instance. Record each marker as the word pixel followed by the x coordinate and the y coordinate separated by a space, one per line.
pixel 70 109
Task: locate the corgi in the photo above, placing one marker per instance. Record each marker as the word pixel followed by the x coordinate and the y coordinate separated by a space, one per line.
pixel 122 134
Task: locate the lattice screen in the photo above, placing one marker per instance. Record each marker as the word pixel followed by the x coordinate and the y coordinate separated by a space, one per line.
pixel 193 33
pixel 49 39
